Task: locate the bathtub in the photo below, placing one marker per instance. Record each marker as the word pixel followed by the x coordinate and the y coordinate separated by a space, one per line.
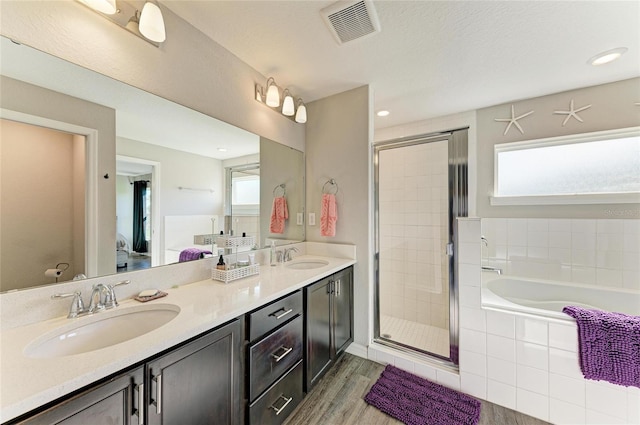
pixel 533 297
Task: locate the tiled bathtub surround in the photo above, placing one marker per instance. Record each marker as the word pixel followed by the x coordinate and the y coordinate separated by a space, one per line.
pixel 599 252
pixel 523 363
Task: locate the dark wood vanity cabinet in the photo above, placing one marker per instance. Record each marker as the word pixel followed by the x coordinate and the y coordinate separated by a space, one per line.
pixel 275 349
pixel 288 345
pixel 328 322
pixel 119 401
pixel 197 383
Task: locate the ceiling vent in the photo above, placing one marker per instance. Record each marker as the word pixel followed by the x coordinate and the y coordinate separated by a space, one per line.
pixel 350 20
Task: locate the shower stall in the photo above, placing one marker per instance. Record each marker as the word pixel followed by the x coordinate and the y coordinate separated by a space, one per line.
pixel 420 188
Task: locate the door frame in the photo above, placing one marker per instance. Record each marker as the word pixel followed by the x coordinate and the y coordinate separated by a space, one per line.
pixel 156 237
pixel 458 159
pixel 91 177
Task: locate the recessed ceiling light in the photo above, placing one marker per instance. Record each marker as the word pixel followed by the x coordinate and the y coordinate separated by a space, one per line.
pixel 383 113
pixel 608 56
pixel 222 149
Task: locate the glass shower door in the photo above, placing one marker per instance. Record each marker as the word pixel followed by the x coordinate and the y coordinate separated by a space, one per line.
pixel 415 293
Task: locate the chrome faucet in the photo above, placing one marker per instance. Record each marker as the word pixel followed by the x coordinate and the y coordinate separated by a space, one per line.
pixel 98 302
pixel 492 269
pixel 287 253
pixel 95 303
pixel 77 306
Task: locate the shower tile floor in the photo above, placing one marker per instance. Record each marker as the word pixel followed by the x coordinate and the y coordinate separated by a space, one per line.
pixel 423 337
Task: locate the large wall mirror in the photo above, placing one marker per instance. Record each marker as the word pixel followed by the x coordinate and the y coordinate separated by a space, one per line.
pixel 150 184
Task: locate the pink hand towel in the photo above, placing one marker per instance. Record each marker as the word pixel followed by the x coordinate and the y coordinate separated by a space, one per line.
pixel 329 215
pixel 279 213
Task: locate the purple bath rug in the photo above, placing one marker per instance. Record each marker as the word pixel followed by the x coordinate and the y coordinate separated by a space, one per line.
pixel 417 401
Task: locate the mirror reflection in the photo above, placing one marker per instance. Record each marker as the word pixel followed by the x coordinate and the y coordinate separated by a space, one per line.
pixel 153 183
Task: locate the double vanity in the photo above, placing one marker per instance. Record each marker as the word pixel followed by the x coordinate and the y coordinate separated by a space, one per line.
pixel 208 352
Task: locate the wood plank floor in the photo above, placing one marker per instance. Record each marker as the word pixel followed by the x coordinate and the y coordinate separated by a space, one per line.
pixel 338 399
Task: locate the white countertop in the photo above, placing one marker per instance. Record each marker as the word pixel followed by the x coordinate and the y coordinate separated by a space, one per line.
pixel 27 383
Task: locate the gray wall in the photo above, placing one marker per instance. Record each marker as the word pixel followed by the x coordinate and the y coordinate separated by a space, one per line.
pixel 339 135
pixel 613 106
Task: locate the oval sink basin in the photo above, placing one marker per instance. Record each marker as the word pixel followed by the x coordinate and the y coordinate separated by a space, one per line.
pixel 101 330
pixel 306 264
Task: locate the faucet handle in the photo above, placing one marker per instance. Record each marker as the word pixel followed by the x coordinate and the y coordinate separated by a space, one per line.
pixel 110 299
pixel 287 253
pixel 77 306
pixel 279 256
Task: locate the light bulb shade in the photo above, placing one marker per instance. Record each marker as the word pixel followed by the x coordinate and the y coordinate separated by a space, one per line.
pixel 301 114
pixel 273 95
pixel 151 23
pixel 287 105
pixel 107 7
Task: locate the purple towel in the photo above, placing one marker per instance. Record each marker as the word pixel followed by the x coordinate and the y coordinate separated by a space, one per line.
pixel 417 401
pixel 609 345
pixel 191 254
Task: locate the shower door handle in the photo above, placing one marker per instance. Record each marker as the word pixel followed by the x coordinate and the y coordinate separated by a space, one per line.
pixel 449 249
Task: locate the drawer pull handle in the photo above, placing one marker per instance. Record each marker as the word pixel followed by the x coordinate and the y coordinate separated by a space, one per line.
pixel 281 315
pixel 140 410
pixel 158 401
pixel 283 355
pixel 286 402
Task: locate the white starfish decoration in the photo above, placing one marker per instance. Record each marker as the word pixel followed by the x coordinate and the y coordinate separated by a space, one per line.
pixel 572 113
pixel 513 120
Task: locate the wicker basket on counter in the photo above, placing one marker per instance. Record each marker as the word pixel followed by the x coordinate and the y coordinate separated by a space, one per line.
pixel 235 241
pixel 227 276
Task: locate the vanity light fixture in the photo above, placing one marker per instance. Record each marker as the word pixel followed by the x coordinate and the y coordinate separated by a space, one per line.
pixel 270 96
pixel 608 56
pixel 152 23
pixel 301 114
pixel 273 93
pixel 142 18
pixel 287 104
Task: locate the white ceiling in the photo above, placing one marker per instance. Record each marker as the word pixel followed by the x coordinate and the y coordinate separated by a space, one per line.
pixel 430 58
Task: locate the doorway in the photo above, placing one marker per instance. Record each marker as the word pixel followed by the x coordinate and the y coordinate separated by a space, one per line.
pixel 420 188
pixel 137 210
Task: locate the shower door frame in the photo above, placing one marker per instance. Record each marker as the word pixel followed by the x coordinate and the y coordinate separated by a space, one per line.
pixel 457 172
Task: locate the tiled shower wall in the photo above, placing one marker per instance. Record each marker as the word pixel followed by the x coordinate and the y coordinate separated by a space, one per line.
pixel 247 224
pixel 413 233
pixel 600 252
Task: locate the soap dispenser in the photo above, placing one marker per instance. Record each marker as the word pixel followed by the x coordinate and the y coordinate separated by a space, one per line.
pixel 221 265
pixel 273 256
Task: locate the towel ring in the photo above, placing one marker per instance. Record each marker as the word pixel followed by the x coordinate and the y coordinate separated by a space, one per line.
pixel 281 186
pixel 333 186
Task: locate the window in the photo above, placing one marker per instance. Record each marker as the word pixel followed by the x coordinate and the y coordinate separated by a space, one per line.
pixel 602 167
pixel 242 194
pixel 245 190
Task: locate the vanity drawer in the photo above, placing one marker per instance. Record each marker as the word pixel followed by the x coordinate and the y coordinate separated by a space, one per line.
pixel 274 355
pixel 279 401
pixel 275 314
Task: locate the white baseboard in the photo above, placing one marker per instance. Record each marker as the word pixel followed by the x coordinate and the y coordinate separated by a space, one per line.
pixel 358 350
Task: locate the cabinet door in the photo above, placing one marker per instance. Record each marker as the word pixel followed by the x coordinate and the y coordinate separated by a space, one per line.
pixel 116 402
pixel 200 382
pixel 318 326
pixel 342 310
